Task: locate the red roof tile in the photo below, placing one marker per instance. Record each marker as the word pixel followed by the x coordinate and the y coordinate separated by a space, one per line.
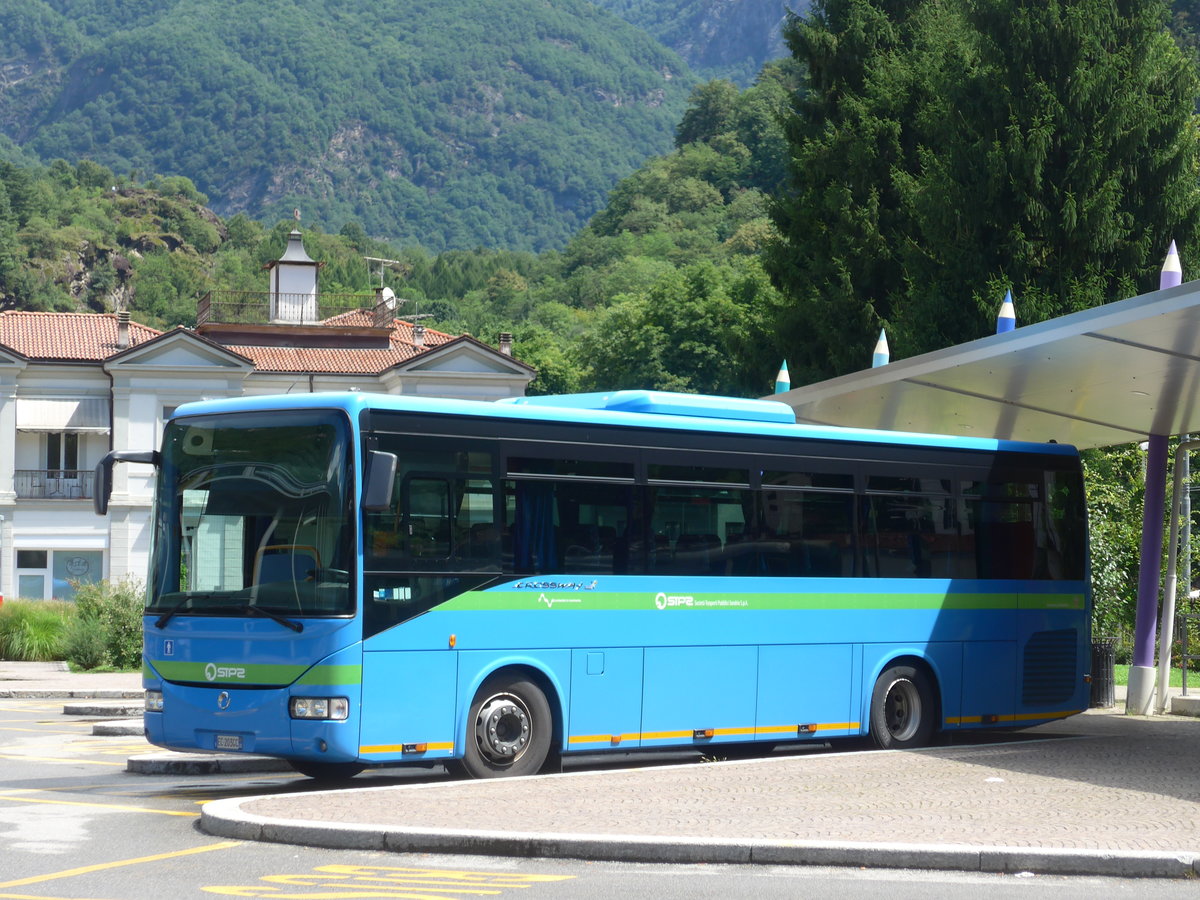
pixel 92 337
pixel 88 337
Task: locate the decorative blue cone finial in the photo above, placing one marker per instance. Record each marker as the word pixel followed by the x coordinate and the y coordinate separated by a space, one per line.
pixel 1172 272
pixel 882 353
pixel 1007 320
pixel 783 381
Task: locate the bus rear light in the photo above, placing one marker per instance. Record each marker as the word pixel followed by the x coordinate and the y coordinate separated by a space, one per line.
pixel 154 701
pixel 335 708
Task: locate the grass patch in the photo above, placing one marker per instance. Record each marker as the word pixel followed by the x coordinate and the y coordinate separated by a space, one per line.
pixel 1121 676
pixel 34 630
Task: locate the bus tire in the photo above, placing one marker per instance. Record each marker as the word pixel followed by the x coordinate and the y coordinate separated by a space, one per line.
pixel 325 771
pixel 903 709
pixel 508 730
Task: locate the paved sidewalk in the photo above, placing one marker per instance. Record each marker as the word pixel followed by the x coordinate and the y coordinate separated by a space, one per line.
pixel 1100 793
pixel 54 679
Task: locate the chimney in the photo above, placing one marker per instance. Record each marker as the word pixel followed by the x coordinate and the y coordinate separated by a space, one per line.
pixel 122 329
pixel 419 336
pixel 506 343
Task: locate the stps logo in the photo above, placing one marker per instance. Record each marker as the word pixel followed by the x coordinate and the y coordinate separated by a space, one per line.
pixel 665 601
pixel 212 672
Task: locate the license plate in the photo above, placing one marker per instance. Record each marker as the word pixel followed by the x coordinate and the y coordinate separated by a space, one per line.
pixel 229 742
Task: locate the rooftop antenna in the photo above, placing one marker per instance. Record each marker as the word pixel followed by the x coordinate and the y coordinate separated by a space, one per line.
pixel 383 263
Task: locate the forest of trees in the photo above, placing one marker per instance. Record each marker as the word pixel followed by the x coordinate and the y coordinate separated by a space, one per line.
pixel 446 124
pixel 907 164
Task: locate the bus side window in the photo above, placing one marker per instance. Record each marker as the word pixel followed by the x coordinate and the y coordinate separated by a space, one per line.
pixel 908 528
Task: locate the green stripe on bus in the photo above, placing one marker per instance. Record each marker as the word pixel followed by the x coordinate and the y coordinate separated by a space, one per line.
pixel 225 672
pixel 642 600
pixel 332 675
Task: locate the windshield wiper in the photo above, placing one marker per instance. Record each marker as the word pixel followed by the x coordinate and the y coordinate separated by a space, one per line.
pixel 166 617
pixel 253 610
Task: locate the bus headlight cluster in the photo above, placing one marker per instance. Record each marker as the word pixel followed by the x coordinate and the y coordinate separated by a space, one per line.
pixel 154 701
pixel 320 708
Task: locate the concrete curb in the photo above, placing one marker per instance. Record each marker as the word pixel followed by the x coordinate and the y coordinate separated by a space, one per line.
pixel 112 710
pixel 202 764
pixel 226 818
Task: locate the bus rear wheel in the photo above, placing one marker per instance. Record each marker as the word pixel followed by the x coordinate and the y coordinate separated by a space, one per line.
pixel 509 729
pixel 903 708
pixel 324 771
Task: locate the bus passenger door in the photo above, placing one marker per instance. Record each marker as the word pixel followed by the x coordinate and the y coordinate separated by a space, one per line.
pixel 606 699
pixel 805 686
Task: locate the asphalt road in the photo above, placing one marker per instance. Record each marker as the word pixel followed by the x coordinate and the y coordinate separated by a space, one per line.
pixel 75 824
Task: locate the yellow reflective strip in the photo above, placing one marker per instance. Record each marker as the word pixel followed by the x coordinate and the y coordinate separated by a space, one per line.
pixel 819 726
pixel 749 731
pixel 664 735
pixel 399 748
pixel 1022 717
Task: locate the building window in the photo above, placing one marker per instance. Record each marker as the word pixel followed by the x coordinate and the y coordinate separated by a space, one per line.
pixel 59 570
pixel 62 453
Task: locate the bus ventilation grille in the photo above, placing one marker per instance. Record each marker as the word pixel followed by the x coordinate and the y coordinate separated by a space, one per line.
pixel 1050 674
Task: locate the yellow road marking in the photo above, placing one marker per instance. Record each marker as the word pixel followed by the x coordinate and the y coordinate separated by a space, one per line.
pixel 100 867
pixel 62 759
pixel 116 806
pixel 348 881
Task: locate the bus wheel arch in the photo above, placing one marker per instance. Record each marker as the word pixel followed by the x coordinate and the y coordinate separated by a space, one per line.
pixel 905 705
pixel 513 725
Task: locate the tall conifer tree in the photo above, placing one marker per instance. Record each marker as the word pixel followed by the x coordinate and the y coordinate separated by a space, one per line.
pixel 947 149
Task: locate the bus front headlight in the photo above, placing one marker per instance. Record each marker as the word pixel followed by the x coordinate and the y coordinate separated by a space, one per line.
pixel 335 708
pixel 154 701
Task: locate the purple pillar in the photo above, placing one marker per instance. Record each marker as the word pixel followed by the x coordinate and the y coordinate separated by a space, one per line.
pixel 1153 516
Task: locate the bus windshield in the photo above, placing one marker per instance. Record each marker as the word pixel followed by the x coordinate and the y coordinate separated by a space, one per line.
pixel 253 517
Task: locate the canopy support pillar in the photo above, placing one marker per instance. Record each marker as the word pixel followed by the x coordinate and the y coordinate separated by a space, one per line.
pixel 1139 698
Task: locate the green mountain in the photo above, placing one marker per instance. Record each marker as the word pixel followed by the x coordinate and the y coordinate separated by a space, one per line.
pixel 447 124
pixel 718 38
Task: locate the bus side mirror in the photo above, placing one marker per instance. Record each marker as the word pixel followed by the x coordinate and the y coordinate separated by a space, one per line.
pixel 378 480
pixel 103 487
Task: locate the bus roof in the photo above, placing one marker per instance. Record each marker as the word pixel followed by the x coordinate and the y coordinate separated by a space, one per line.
pixel 627 409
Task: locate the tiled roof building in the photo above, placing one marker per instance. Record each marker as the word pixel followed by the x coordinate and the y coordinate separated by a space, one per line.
pixel 75 385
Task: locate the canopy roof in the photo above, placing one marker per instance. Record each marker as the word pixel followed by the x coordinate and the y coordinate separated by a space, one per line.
pixel 1109 375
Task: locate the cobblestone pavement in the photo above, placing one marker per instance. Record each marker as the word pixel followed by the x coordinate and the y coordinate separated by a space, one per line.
pixel 1100 781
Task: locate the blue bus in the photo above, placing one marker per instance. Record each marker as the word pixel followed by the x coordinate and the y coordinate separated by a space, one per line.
pixel 353 580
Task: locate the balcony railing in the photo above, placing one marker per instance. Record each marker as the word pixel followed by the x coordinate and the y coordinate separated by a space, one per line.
pixel 54 484
pixel 264 307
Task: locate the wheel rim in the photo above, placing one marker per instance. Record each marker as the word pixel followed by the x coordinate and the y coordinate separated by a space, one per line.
pixel 503 728
pixel 902 709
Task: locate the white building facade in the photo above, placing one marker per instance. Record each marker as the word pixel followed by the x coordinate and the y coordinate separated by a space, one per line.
pixel 75 385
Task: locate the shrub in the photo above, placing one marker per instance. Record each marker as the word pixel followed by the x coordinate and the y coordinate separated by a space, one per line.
pixel 117 611
pixel 84 644
pixel 33 630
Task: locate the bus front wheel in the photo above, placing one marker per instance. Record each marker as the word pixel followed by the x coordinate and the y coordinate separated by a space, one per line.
pixel 903 708
pixel 509 729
